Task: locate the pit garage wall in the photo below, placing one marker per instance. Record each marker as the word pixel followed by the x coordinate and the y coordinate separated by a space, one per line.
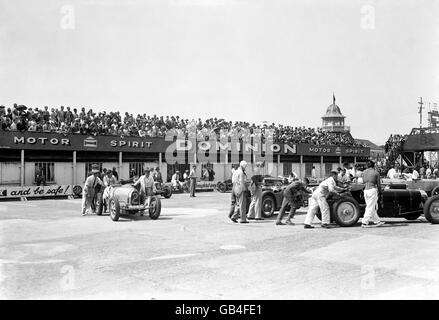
pixel 10 172
pixel 65 174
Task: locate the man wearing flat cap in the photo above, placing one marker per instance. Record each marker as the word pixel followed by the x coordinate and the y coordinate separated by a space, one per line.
pixel 318 200
pixel 89 190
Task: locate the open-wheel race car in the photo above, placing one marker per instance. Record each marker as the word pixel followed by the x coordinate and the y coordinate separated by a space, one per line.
pixel 430 186
pixel 272 196
pixel 396 202
pixel 163 189
pixel 224 186
pixel 126 200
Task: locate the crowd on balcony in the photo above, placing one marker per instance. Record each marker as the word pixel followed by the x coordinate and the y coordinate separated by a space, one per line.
pixel 81 121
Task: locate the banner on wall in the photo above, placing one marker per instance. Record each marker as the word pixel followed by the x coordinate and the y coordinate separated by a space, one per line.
pixel 72 142
pixel 40 191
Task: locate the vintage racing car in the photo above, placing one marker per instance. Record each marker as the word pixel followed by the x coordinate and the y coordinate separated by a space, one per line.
pixel 126 200
pixel 224 186
pixel 163 189
pixel 272 195
pixel 431 186
pixel 396 202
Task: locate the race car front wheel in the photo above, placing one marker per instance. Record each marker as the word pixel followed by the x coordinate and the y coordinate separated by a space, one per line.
pixel 155 207
pixel 268 206
pixel 114 209
pixel 346 212
pixel 431 209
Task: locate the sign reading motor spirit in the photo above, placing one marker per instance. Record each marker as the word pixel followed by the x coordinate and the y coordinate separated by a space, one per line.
pixel 305 149
pixel 78 142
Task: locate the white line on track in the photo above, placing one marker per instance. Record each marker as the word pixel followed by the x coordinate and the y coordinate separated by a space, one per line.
pixel 174 256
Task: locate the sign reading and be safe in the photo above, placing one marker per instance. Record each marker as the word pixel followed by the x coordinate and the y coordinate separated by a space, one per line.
pixel 38 191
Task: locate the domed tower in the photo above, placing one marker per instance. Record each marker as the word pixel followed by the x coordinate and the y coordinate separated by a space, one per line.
pixel 333 120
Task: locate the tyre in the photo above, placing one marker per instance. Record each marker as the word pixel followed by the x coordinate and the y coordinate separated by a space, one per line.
pixel 435 191
pixel 167 192
pixel 99 204
pixel 221 187
pixel 268 206
pixel 155 207
pixel 346 212
pixel 412 216
pixel 114 209
pixel 431 209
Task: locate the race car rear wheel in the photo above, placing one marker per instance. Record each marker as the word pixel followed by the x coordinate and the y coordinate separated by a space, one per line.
pixel 99 204
pixel 431 209
pixel 114 209
pixel 155 207
pixel 346 212
pixel 268 206
pixel 167 192
pixel 221 187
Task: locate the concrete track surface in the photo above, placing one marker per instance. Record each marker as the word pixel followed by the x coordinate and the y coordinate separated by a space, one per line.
pixel 49 251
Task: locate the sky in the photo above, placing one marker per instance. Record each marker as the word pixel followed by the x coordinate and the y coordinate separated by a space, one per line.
pixel 278 61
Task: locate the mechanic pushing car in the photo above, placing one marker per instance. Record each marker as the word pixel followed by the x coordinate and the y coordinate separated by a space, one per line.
pixel 147 186
pixel 293 198
pixel 318 200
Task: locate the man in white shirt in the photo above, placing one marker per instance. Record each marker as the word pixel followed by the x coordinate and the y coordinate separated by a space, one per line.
pixel 343 176
pixel 292 177
pixel 318 200
pixel 233 195
pixel 147 186
pixel 109 180
pixel 239 189
pixel 175 180
pixel 313 172
pixel 415 174
pixel 391 173
pixel 428 173
pixel 89 190
pixel 192 180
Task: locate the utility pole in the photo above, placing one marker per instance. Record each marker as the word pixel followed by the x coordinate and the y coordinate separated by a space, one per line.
pixel 420 112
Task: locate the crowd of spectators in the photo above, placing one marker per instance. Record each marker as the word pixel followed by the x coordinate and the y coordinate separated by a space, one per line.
pixel 393 148
pixel 81 121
